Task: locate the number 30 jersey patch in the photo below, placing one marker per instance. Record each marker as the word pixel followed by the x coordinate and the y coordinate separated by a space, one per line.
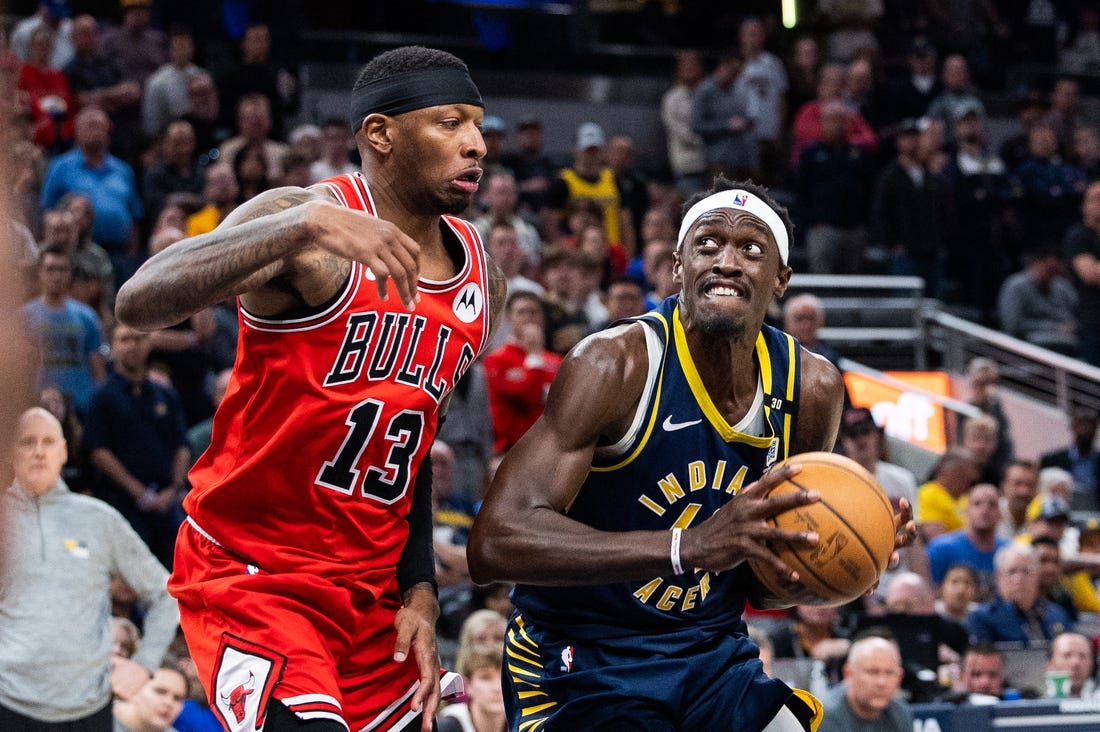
pixel 329 414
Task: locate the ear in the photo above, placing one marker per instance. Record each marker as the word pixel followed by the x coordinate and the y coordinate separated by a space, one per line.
pixel 677 268
pixel 782 280
pixel 376 133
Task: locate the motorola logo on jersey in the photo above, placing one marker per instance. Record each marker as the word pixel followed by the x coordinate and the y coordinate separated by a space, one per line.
pixel 469 302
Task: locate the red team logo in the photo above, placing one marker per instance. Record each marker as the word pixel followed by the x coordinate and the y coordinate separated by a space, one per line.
pixel 236 698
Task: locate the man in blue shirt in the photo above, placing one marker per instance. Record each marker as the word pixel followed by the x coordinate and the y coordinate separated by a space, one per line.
pixel 108 182
pixel 1017 613
pixel 67 332
pixel 975 545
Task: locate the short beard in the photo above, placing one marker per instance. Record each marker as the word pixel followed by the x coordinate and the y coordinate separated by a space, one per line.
pixel 718 327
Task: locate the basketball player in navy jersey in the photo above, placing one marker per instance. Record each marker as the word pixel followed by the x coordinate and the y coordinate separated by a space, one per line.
pixel 304 571
pixel 631 581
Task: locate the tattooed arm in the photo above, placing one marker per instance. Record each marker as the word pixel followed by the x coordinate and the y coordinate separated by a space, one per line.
pixel 284 248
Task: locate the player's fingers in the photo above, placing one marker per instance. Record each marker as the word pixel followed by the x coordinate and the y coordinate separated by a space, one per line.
pixel 905 511
pixel 777 504
pixel 905 535
pixel 381 278
pixel 404 277
pixel 796 538
pixel 405 632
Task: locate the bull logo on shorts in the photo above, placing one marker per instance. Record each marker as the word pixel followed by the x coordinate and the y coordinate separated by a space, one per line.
pixel 236 699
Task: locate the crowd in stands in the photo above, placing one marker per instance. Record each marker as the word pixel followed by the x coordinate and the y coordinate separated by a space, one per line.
pixel 121 142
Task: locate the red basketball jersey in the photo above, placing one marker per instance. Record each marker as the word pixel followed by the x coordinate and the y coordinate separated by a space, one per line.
pixel 327 418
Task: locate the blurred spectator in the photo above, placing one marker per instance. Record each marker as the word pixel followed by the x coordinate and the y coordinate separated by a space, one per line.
pixel 198 436
pixel 336 144
pixel 976 544
pixel 177 171
pixel 1039 304
pixel 220 193
pixel 719 116
pixel 1017 613
pixel 1082 52
pixel 109 185
pixel 531 166
pixel 254 128
pixel 863 93
pixel 66 332
pixel 609 261
pixel 589 179
pixel 26 167
pixel 250 168
pixel 501 201
pixel 305 142
pixel 165 95
pixel 468 430
pixel 834 189
pixel 1048 514
pixel 958 96
pixel 807 126
pixel 54 15
pixel 256 73
pixel 863 441
pixel 803 68
pixel 941 501
pixel 564 299
pixel 980 436
pixel 868 698
pixel 1065 116
pixel 1086 152
pixel 625 299
pixel 685 147
pixel 502 244
pixel 1019 487
pixel 482 628
pixel 52 103
pixel 76 472
pixel 633 188
pixel 452 516
pixel 54 678
pixel 958 593
pixel 968 28
pixel 483 710
pixel 663 275
pixel 519 372
pixel 803 318
pixel 1050 188
pixel 656 234
pixel 494 132
pixel 983 676
pixel 978 258
pixel 850 27
pixel 205 116
pixel 814 633
pixel 89 259
pixel 137 47
pixel 1080 458
pixel 1031 108
pixel 915 242
pixel 764 80
pixel 127 637
pixel 137 439
pixel 1074 653
pixel 911 93
pixel 155 706
pixel 1072 591
pixel 1082 249
pixel 983 376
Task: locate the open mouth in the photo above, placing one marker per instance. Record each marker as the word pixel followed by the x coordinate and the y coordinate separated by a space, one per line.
pixel 469 180
pixel 725 289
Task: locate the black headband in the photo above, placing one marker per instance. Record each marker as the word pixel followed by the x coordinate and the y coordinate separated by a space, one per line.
pixel 413 90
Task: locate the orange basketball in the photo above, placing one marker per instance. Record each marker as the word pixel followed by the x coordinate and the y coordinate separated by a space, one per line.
pixel 855 522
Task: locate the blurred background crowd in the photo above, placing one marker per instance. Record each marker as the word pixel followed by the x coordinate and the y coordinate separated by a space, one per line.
pixel 955 141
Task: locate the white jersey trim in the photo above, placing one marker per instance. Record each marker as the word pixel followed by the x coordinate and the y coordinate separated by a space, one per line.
pixel 626 443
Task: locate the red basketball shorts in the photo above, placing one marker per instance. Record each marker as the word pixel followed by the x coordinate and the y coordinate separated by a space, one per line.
pixel 323 650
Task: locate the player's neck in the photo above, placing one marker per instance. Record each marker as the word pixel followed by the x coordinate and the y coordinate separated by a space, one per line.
pixel 397 208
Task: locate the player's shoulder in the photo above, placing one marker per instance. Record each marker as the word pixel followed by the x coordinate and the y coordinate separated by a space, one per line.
pixel 615 360
pixel 820 378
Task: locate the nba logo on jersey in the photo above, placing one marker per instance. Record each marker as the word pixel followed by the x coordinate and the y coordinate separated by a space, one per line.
pixel 567 658
pixel 741 199
pixel 469 302
pixel 773 452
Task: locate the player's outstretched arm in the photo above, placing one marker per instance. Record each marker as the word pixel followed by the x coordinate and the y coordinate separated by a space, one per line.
pixel 521 533
pixel 285 248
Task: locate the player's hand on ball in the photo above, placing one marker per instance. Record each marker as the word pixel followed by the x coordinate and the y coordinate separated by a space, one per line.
pixel 905 529
pixel 739 531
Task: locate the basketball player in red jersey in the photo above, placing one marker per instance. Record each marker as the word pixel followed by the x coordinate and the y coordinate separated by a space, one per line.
pixel 304 572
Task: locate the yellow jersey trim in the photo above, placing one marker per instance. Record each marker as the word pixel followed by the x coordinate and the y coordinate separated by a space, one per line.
pixel 792 362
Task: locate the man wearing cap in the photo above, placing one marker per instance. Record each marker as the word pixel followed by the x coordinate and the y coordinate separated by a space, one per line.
pixel 632 582
pixel 532 167
pixel 55 14
pixel 136 47
pixel 494 131
pixel 589 178
pixel 911 94
pixel 304 571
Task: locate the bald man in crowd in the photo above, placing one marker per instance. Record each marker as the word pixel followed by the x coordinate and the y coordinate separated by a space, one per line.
pixel 868 699
pixel 62 549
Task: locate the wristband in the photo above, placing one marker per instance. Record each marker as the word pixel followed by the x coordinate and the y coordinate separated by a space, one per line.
pixel 674 552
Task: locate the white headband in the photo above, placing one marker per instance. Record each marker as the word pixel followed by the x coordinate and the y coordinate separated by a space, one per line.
pixel 737 198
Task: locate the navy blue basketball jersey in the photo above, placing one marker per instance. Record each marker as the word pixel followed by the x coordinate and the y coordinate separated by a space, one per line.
pixel 680 462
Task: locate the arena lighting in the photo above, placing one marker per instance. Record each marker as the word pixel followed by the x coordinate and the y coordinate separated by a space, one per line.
pixel 790 13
